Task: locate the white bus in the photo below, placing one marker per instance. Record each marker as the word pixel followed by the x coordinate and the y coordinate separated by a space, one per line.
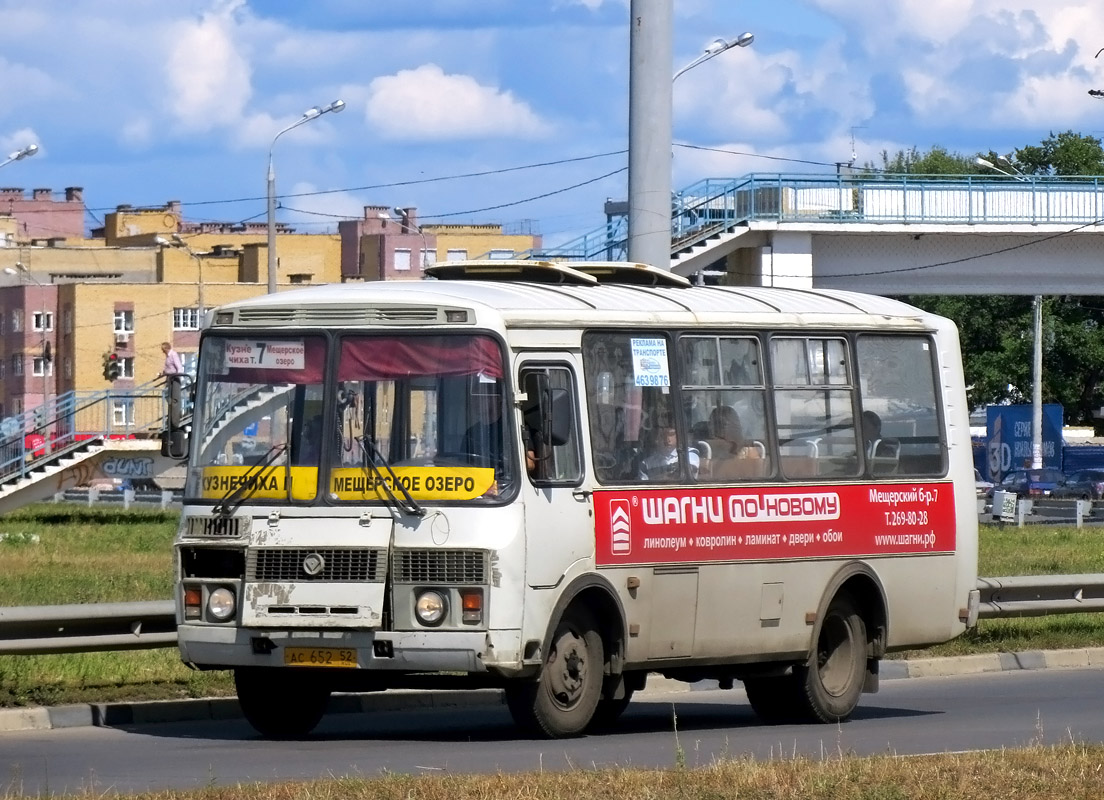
pixel 559 478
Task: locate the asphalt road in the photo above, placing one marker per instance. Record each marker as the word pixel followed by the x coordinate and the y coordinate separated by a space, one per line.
pixel 908 716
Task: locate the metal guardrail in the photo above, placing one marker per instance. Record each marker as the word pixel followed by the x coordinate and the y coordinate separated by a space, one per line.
pixel 87 627
pixel 37 630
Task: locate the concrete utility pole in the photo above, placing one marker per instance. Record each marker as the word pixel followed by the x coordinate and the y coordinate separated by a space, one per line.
pixel 650 132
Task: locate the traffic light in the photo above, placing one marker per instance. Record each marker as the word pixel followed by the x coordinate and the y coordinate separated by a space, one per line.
pixel 111 367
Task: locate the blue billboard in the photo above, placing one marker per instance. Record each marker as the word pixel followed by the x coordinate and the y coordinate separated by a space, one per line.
pixel 1010 435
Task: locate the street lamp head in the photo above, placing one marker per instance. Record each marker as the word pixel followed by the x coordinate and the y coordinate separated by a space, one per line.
pixel 178 238
pixel 19 265
pixel 27 151
pixel 718 45
pixel 984 162
pixel 744 39
pixel 11 271
pixel 336 106
pixel 161 241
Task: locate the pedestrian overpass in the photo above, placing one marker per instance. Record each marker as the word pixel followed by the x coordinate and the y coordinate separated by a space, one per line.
pixel 83 438
pixel 886 234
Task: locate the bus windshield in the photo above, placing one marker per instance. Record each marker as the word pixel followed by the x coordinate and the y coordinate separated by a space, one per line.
pixel 358 419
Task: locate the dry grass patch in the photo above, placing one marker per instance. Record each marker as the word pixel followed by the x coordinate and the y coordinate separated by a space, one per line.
pixel 1067 772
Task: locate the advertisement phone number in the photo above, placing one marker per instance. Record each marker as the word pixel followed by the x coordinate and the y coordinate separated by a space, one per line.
pixel 896 518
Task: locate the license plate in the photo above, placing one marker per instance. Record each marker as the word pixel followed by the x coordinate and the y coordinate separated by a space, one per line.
pixel 320 657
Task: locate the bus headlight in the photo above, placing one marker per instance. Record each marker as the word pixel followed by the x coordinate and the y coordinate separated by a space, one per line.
pixel 431 608
pixel 220 604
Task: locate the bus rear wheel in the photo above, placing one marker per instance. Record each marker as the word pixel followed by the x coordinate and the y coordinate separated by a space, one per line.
pixel 280 703
pixel 563 701
pixel 831 682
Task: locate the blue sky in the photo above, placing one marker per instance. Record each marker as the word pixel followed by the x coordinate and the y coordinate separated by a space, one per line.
pixel 143 102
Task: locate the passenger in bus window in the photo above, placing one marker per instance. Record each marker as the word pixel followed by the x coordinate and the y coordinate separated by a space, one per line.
pixel 871 430
pixel 728 443
pixel 663 463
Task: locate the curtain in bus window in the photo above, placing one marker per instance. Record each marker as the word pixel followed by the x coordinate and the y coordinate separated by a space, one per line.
pixel 897 387
pixel 385 358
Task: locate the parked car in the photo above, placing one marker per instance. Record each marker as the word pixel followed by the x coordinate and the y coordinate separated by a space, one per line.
pixel 1084 484
pixel 1041 482
pixel 982 486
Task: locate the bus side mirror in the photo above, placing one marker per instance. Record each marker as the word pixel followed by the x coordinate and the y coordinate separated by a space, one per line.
pixel 174 437
pixel 174 444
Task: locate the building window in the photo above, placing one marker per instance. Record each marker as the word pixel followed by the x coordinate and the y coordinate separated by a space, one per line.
pixel 124 322
pixel 67 320
pixel 42 321
pixel 429 257
pixel 17 364
pixel 17 405
pixel 66 369
pixel 17 320
pixel 3 369
pixel 122 412
pixel 300 277
pixel 188 360
pixel 40 367
pixel 501 254
pixel 185 319
pixel 402 259
pixel 126 367
pixel 457 255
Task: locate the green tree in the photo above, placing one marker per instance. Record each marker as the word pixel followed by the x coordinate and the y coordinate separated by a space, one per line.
pixel 1066 153
pixel 937 161
pixel 997 332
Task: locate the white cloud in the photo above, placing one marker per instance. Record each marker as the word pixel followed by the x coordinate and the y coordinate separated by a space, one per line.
pixel 17 140
pixel 425 103
pixel 207 76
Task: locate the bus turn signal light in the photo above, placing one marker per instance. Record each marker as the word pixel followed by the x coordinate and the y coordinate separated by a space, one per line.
pixel 472 603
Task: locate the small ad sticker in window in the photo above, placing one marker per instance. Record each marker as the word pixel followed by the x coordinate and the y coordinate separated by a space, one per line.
pixel 649 357
pixel 253 354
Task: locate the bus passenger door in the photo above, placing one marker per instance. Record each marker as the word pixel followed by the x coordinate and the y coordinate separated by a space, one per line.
pixel 558 521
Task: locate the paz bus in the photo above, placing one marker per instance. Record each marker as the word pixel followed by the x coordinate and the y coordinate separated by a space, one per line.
pixel 559 478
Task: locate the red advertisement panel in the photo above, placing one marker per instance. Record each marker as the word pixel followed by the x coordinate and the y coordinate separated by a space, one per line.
pixel 680 525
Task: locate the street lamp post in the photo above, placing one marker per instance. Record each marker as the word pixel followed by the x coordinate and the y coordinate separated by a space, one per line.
pixel 1037 354
pixel 19 155
pixel 311 113
pixel 650 138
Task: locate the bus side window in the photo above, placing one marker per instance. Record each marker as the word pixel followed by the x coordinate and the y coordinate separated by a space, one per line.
pixel 549 426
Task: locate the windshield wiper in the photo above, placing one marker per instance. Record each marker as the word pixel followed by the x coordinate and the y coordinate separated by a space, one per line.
pixel 244 490
pixel 370 454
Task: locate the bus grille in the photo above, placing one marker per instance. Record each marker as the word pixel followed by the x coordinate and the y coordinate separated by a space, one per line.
pixel 337 564
pixel 441 566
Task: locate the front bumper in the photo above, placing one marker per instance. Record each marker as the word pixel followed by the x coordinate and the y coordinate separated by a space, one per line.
pixel 436 651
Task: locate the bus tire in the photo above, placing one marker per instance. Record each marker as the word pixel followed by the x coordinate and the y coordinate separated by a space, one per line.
pixel 832 679
pixel 563 700
pixel 278 703
pixel 609 711
pixel 774 699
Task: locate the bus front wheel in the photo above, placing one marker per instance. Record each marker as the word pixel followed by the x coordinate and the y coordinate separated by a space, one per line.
pixel 831 681
pixel 563 701
pixel 279 703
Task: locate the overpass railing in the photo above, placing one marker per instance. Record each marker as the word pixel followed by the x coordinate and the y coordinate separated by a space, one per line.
pixel 39 630
pixel 69 418
pixel 713 205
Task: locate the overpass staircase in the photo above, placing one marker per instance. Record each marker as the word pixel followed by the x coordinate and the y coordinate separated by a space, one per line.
pixel 79 438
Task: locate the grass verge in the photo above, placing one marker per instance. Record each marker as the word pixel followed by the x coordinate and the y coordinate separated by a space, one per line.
pixel 1065 772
